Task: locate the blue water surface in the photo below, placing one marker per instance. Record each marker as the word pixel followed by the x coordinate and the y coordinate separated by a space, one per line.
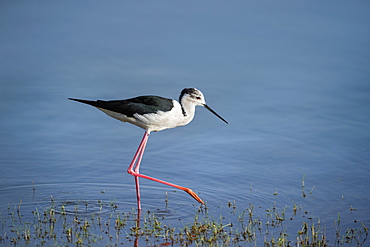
pixel 291 78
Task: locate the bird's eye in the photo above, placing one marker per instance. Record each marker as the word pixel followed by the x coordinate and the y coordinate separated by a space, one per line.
pixel 198 98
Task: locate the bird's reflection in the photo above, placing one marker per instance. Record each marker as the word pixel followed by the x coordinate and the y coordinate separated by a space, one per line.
pixel 138 232
pixel 136 242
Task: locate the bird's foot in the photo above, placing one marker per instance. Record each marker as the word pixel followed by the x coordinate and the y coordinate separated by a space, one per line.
pixel 194 195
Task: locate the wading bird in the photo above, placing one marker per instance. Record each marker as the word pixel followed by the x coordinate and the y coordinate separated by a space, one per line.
pixel 153 113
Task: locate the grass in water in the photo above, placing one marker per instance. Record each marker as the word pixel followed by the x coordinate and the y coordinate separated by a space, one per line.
pixel 71 223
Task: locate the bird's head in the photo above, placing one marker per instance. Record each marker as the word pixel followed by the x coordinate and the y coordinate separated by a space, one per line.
pixel 196 97
pixel 192 95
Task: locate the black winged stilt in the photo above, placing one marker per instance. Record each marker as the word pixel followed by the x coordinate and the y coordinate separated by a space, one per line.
pixel 153 113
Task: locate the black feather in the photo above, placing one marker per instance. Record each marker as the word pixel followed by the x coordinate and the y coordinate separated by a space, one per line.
pixel 139 105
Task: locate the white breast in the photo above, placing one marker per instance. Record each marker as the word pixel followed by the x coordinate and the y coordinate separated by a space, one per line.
pixel 163 120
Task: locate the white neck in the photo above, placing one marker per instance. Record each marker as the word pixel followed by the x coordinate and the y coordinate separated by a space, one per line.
pixel 187 112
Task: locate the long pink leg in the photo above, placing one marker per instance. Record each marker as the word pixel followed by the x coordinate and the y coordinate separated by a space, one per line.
pixel 134 170
pixel 136 160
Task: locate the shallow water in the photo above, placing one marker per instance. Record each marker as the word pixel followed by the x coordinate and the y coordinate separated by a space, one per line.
pixel 290 119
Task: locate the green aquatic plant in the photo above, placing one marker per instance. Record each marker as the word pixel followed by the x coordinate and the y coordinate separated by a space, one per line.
pixel 64 223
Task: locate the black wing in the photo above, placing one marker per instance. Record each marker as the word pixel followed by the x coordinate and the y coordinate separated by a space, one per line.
pixel 140 105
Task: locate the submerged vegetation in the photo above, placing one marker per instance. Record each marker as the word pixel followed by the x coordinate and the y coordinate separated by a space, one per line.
pixel 71 223
pixel 100 223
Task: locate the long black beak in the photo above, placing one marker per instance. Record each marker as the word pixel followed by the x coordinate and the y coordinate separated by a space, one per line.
pixel 209 109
